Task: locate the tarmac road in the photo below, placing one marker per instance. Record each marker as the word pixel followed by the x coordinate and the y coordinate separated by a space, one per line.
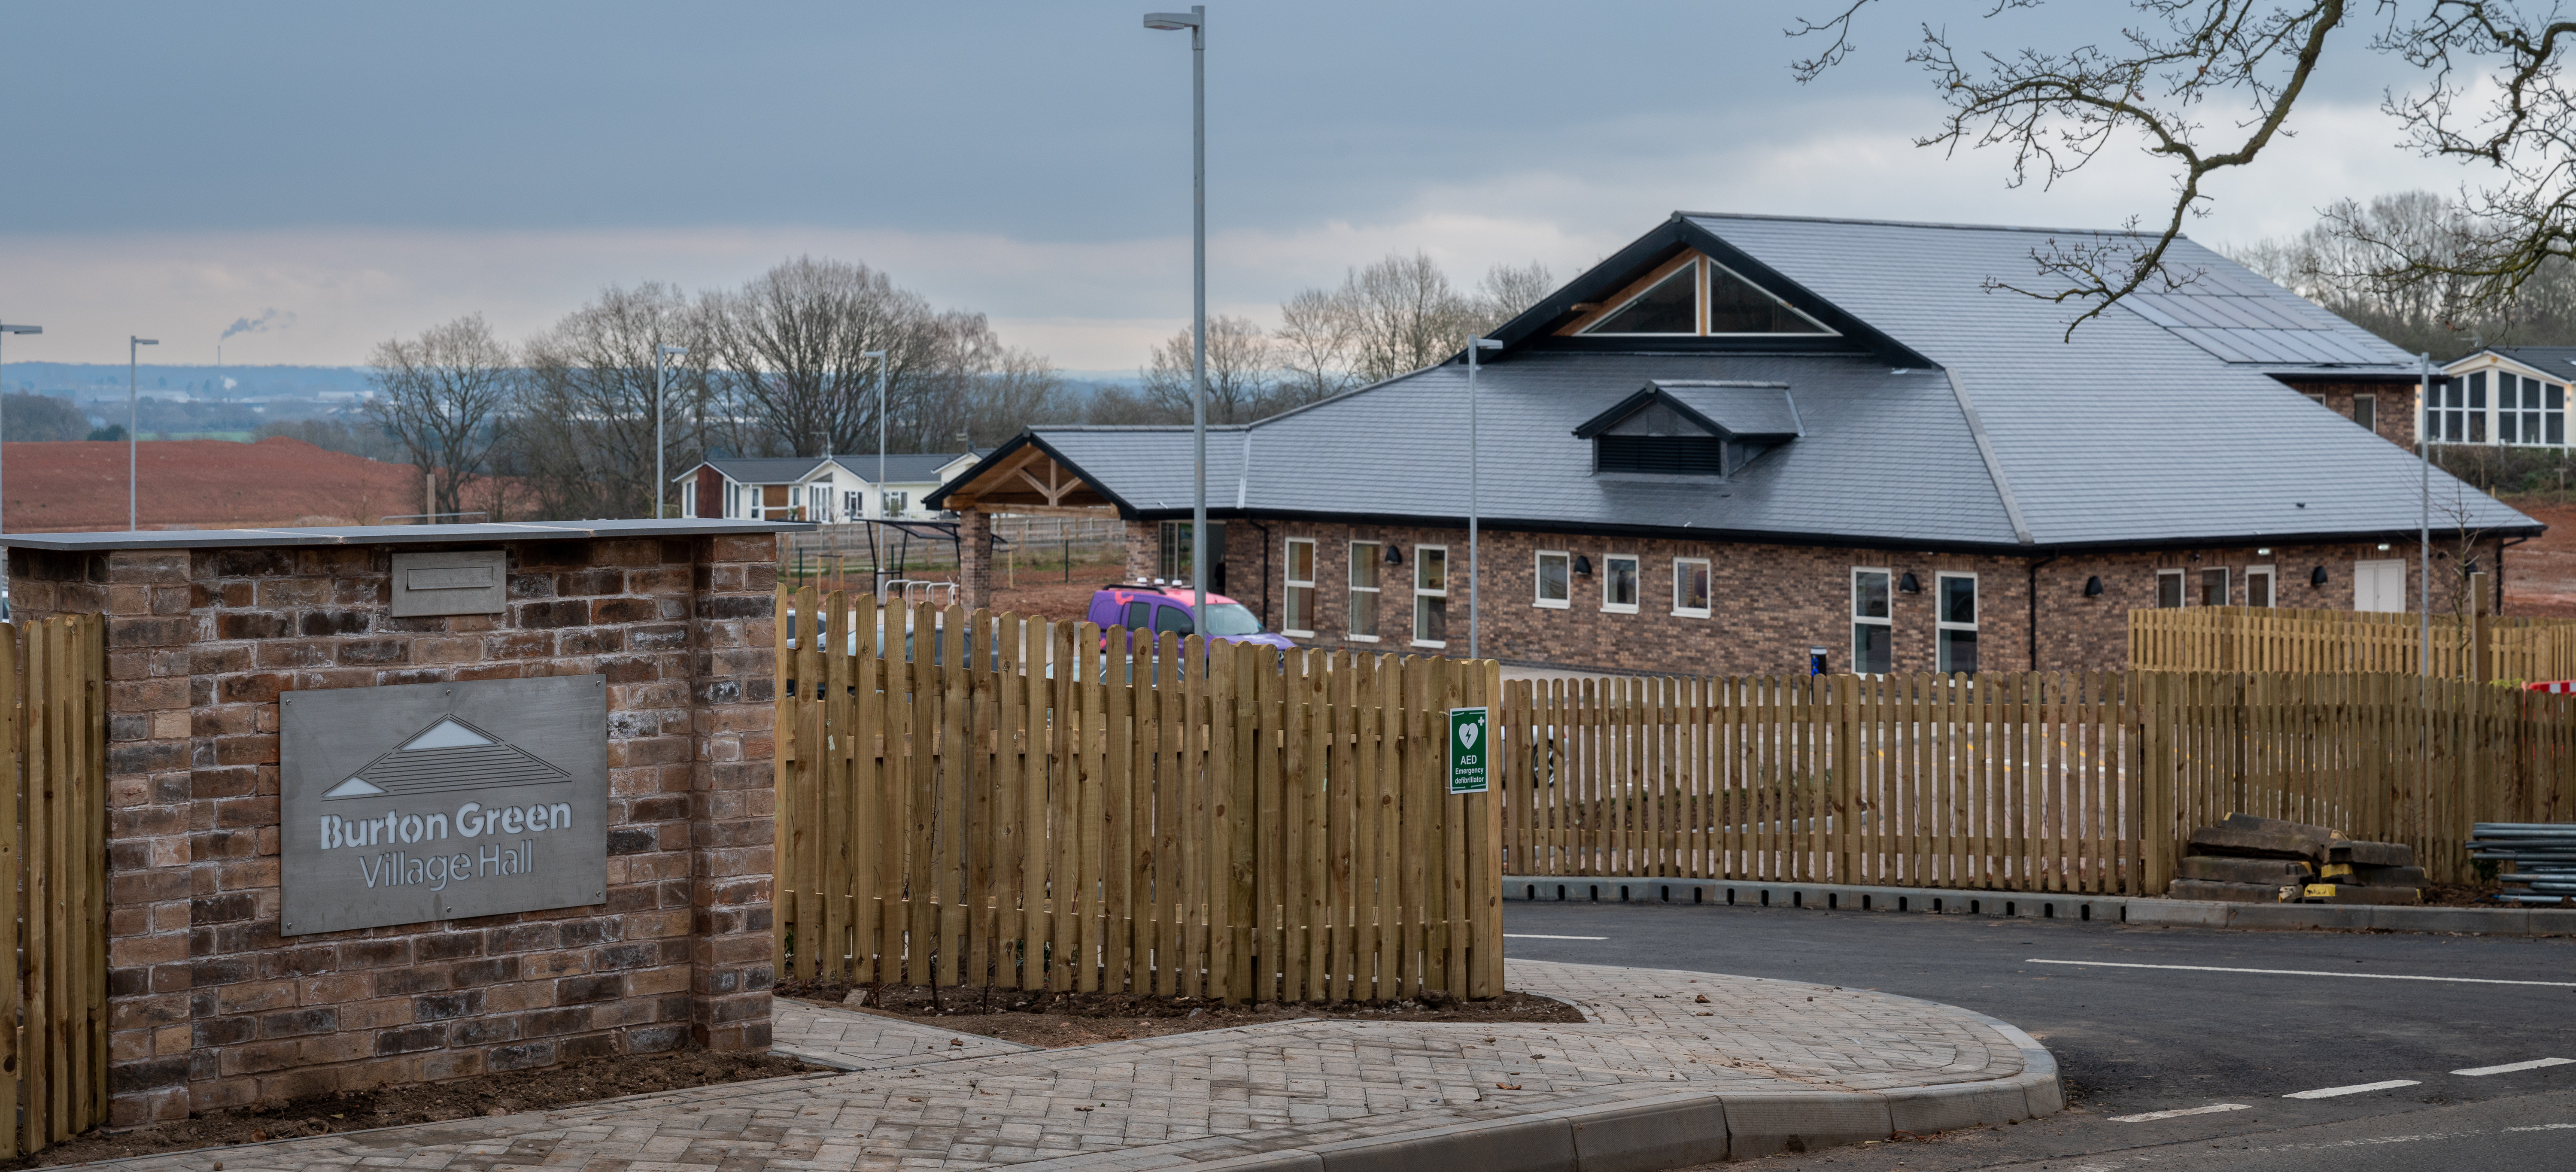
pixel 2138 1040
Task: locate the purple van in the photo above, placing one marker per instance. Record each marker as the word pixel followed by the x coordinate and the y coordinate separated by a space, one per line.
pixel 1143 606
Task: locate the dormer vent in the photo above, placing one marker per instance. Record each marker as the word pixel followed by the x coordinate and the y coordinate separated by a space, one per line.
pixel 1691 428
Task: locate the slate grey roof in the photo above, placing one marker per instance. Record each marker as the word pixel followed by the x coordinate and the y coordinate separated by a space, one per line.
pixel 2127 432
pixel 2154 425
pixel 2559 360
pixel 913 468
pixel 1745 411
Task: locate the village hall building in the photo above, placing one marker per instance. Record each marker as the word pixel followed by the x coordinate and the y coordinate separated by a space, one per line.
pixel 1743 440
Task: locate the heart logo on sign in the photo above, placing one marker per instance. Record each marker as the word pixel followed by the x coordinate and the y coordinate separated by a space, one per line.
pixel 1467 735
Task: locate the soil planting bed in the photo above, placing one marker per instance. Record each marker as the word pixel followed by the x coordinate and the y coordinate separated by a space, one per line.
pixel 569 1084
pixel 1080 1019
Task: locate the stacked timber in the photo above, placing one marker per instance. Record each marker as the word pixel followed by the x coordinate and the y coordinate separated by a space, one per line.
pixel 2268 860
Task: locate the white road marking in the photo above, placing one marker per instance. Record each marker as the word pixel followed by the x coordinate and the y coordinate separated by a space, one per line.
pixel 2545 1127
pixel 2510 1067
pixel 2148 1116
pixel 2206 968
pixel 1536 936
pixel 2330 1092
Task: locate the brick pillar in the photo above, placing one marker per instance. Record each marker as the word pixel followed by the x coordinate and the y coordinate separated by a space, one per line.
pixel 162 783
pixel 1144 549
pixel 732 794
pixel 975 559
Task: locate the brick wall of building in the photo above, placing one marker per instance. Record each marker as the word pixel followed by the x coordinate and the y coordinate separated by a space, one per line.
pixel 2394 405
pixel 1770 603
pixel 210 1006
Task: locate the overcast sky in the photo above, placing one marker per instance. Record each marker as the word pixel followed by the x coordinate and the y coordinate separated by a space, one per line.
pixel 336 174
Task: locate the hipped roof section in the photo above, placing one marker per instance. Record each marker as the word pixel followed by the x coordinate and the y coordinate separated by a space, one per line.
pixel 1948 414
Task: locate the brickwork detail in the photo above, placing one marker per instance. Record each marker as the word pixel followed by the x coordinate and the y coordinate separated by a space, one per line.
pixel 210 1006
pixel 1771 603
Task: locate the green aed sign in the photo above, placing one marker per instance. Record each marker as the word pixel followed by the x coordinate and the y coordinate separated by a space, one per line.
pixel 1468 745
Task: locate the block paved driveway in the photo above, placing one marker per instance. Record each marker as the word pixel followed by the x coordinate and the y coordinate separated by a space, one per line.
pixel 924 1098
pixel 2136 1041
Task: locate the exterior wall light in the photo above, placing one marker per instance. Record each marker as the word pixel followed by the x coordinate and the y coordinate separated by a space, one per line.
pixel 2317 577
pixel 2093 586
pixel 1394 555
pixel 1582 566
pixel 1908 585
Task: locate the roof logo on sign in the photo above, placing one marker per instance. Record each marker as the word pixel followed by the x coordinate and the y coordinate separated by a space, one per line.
pixel 448 755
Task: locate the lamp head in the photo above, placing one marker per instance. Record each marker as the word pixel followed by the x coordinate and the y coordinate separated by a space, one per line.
pixel 22 329
pixel 142 341
pixel 1486 343
pixel 668 351
pixel 1172 21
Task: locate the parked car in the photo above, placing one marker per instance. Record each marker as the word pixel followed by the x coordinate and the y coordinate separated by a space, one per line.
pixel 1147 606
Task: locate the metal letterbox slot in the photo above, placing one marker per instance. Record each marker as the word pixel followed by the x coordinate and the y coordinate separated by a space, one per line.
pixel 450 582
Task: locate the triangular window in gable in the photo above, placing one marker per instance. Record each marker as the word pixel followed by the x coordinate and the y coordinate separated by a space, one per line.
pixel 1671 306
pixel 1736 306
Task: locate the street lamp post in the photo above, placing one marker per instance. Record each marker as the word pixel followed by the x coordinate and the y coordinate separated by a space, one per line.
pixel 662 356
pixel 6 330
pixel 2424 519
pixel 1474 345
pixel 1195 20
pixel 134 419
pixel 880 356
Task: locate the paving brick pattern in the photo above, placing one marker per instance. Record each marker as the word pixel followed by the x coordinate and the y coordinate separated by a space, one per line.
pixel 1174 1100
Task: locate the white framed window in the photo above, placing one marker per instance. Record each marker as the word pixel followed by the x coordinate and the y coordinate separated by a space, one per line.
pixel 1297 616
pixel 1430 596
pixel 891 503
pixel 2214 587
pixel 1873 648
pixel 1365 567
pixel 1955 597
pixel 852 507
pixel 818 502
pixel 1690 587
pixel 1619 583
pixel 2169 594
pixel 2258 586
pixel 733 499
pixel 1555 579
pixel 2532 413
pixel 689 497
pixel 2365 411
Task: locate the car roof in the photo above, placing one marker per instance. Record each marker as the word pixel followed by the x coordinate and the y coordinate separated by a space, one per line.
pixel 1174 593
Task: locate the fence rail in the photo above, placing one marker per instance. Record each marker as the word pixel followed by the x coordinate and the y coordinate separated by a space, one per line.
pixel 2039 782
pixel 2263 639
pixel 53 912
pixel 972 799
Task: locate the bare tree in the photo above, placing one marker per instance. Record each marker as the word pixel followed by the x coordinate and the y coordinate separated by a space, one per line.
pixel 439 395
pixel 790 351
pixel 1239 373
pixel 581 435
pixel 1509 289
pixel 1314 348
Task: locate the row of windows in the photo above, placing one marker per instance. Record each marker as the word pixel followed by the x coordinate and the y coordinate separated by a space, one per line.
pixel 2210 587
pixel 1873 618
pixel 2527 411
pixel 1620 576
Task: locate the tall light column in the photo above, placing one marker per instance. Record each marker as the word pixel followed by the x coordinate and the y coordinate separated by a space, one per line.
pixel 880 356
pixel 134 419
pixel 2424 534
pixel 662 356
pixel 6 330
pixel 1474 345
pixel 1195 20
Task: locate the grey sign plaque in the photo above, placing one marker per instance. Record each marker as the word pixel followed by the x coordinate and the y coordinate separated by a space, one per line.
pixel 421 802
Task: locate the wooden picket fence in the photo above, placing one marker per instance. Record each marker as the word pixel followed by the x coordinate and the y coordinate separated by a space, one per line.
pixel 2264 639
pixel 2036 782
pixel 986 800
pixel 53 879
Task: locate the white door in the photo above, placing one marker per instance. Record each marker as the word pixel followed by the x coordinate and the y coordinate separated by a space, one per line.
pixel 2379 586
